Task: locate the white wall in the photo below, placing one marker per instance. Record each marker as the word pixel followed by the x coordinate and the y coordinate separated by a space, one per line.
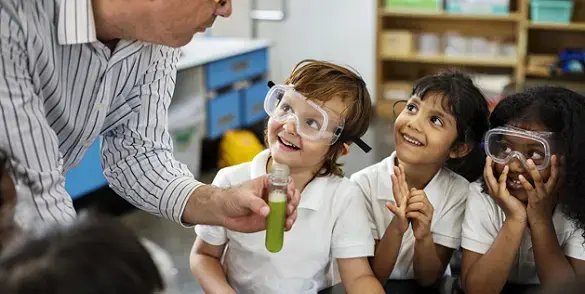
pixel 341 31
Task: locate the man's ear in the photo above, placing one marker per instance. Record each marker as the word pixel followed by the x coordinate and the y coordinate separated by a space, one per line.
pixel 344 150
pixel 459 150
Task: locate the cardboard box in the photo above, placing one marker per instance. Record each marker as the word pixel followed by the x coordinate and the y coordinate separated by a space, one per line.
pixel 397 42
pixel 393 98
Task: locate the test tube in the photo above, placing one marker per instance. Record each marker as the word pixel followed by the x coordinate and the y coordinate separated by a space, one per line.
pixel 279 180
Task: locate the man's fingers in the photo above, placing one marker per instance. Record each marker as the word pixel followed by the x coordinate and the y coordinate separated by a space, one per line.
pixel 257 205
pixel 245 224
pixel 293 195
pixel 290 220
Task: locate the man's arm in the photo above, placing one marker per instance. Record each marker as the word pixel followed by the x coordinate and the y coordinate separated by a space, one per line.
pixel 26 136
pixel 139 164
pixel 137 155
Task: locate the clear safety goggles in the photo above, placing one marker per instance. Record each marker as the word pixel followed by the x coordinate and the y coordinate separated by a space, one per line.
pixel 312 121
pixel 507 143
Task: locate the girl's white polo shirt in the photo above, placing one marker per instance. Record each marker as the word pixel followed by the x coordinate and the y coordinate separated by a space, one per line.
pixel 484 219
pixel 447 192
pixel 332 222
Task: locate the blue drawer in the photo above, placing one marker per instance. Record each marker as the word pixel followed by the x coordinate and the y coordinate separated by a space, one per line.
pixel 227 71
pixel 88 175
pixel 253 103
pixel 223 113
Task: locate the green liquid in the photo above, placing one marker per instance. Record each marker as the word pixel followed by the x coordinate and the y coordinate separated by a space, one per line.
pixel 275 226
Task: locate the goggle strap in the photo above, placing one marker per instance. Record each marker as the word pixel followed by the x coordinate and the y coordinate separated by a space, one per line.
pixel 365 147
pixel 358 141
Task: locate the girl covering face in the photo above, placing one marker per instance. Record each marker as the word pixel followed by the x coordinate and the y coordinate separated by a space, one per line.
pixel 524 223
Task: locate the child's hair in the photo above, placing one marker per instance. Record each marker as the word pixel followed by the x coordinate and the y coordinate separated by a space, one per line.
pixel 93 255
pixel 463 100
pixel 321 81
pixel 562 112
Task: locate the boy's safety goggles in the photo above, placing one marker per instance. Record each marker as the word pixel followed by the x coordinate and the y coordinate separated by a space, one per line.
pixel 506 143
pixel 313 121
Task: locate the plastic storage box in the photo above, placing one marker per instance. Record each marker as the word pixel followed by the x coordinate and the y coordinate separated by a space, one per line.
pixel 498 7
pixel 424 5
pixel 187 129
pixel 559 11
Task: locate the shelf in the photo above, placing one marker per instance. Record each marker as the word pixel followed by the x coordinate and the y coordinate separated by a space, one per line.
pixel 512 17
pixel 441 59
pixel 556 26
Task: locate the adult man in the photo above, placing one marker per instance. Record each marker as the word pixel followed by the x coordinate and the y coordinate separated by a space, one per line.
pixel 71 70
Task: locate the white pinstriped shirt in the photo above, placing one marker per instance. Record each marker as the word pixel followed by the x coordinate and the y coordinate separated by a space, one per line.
pixel 60 89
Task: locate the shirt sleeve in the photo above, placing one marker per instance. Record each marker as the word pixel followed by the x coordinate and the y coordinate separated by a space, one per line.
pixel 478 231
pixel 351 237
pixel 215 235
pixel 447 228
pixel 365 193
pixel 575 245
pixel 137 155
pixel 26 136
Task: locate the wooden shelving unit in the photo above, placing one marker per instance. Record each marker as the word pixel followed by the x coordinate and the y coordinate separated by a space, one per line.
pixel 463 61
pixel 530 38
pixel 557 27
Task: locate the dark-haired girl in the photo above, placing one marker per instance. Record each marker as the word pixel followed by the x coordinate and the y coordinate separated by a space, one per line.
pixel 524 223
pixel 416 218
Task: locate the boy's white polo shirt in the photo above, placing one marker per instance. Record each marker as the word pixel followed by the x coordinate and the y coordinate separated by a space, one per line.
pixel 484 219
pixel 447 192
pixel 332 222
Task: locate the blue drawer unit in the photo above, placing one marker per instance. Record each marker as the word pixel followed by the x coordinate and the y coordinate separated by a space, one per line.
pixel 227 71
pixel 253 103
pixel 223 113
pixel 88 175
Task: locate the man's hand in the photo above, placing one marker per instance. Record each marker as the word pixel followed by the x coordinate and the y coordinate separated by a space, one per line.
pixel 244 208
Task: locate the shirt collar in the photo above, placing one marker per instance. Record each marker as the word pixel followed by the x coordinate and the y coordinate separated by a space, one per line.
pixel 432 189
pixel 312 195
pixel 76 22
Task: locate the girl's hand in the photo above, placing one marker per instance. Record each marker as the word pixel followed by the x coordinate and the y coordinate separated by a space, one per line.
pixel 420 212
pixel 401 195
pixel 513 208
pixel 541 197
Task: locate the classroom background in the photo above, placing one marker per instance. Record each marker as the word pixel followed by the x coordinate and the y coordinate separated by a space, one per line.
pixel 217 117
